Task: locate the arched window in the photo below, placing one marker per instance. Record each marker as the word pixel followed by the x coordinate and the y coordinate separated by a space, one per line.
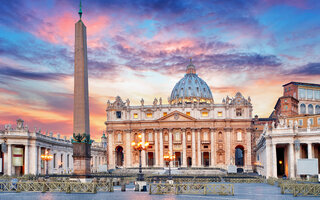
pixel 302 109
pixel 189 137
pixel 239 136
pixel 310 109
pixel 317 109
pixel 166 137
pixel 220 136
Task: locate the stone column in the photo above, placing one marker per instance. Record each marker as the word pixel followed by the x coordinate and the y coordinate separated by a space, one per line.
pixel 291 161
pixel 26 161
pixel 128 148
pixel 161 149
pixel 248 156
pixel 267 161
pixel 156 147
pixel 274 160
pixel 297 153
pixel 310 154
pixel 39 160
pixel 184 148
pixel 170 144
pixel 9 159
pixel 35 152
pixel 143 153
pixel 193 148
pixel 111 150
pixel 199 148
pixel 212 147
pixel 228 146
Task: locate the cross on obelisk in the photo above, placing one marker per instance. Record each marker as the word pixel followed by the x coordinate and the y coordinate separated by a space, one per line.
pixel 81 126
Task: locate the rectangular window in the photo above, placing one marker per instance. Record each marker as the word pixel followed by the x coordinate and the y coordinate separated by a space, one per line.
pixel 188 113
pixel 300 122
pixel 310 94
pixel 149 115
pixel 204 114
pixel 302 93
pixel 164 113
pixel 318 121
pixel 219 114
pixel 118 114
pixel 54 160
pixel 317 94
pixel 135 115
pixel 61 160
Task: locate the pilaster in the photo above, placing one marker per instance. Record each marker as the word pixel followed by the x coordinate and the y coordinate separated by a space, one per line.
pixel 193 148
pixel 184 148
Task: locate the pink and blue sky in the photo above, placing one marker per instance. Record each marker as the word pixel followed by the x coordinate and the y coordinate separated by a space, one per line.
pixel 140 49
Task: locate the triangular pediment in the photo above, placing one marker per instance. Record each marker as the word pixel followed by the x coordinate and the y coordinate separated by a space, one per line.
pixel 176 116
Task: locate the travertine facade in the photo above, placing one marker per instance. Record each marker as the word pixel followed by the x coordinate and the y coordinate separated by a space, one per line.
pixel 198 131
pixel 281 145
pixel 21 149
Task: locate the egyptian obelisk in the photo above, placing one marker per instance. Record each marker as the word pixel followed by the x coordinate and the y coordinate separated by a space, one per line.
pixel 81 130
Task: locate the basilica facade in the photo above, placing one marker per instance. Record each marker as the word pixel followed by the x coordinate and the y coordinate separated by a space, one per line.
pixel 194 128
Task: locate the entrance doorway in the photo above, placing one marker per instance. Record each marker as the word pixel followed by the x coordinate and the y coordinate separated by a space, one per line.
pixel 239 156
pixel 119 156
pixel 206 159
pixel 150 159
pixel 280 162
pixel 177 161
pixel 189 161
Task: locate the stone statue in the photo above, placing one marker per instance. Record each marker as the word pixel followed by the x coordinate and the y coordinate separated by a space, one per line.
pixel 155 102
pixel 290 124
pixel 249 99
pixel 128 102
pixel 232 161
pixel 223 100
pixel 160 101
pixel 108 103
pixel 266 127
pixel 273 124
pixel 296 124
pixel 142 102
pixel 309 123
pixel 227 100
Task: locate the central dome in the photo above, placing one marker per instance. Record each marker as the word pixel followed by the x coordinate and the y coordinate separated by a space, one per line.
pixel 191 88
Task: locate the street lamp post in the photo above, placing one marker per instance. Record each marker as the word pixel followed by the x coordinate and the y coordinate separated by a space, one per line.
pixel 139 146
pixel 46 157
pixel 169 158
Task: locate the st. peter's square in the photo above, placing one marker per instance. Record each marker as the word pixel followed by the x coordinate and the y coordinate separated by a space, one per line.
pixel 159 99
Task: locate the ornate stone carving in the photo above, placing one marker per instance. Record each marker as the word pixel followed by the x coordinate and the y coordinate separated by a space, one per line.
pixel 81 138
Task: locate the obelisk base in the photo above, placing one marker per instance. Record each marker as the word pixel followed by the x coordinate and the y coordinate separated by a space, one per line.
pixel 81 160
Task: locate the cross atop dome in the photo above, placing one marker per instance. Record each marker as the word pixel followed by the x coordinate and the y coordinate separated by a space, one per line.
pixel 191 69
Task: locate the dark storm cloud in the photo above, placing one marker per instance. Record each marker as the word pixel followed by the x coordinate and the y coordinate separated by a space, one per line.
pixel 6 71
pixel 308 69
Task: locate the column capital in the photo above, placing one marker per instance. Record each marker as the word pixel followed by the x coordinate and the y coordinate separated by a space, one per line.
pixel 213 129
pixel 249 129
pixel 228 129
pixel 183 129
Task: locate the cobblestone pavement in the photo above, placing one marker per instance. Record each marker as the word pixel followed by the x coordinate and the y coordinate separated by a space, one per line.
pixel 243 191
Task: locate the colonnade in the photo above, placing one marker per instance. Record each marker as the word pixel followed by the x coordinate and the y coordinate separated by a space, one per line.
pixel 162 146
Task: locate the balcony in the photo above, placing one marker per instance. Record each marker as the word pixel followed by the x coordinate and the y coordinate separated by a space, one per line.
pixel 205 141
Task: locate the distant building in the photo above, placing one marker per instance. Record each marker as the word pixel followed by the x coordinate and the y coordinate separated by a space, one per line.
pixel 198 131
pixel 279 148
pixel 21 150
pixel 298 99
